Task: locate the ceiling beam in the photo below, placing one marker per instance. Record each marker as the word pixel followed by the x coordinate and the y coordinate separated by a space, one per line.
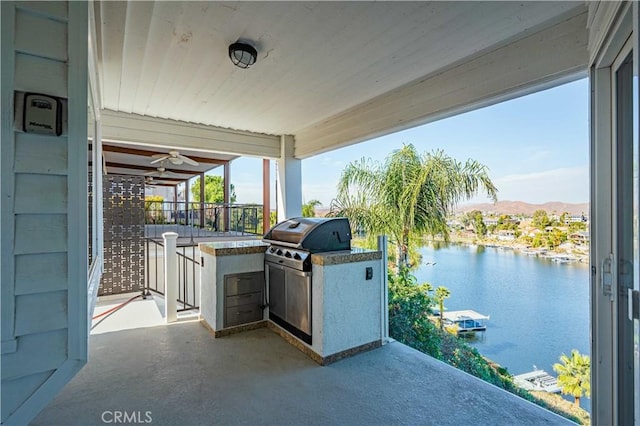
pixel 173 134
pixel 146 153
pixel 167 180
pixel 151 169
pixel 548 58
pixel 161 184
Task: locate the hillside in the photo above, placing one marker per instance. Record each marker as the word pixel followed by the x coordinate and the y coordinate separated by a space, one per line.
pixel 520 207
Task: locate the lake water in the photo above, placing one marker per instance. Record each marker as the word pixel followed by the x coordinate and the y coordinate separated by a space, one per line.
pixel 538 308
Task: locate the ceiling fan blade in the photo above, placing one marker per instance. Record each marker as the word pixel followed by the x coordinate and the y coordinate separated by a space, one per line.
pixel 158 160
pixel 151 173
pixel 187 160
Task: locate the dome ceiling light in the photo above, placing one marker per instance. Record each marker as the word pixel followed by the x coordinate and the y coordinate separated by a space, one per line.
pixel 242 55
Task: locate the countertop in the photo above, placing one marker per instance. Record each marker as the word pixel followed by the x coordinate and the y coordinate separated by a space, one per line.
pixel 233 248
pixel 346 256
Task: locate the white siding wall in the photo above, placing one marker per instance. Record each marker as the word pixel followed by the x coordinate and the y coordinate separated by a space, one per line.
pixel 43 208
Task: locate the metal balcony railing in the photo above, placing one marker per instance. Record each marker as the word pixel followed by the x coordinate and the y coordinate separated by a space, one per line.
pixel 195 219
pixel 188 272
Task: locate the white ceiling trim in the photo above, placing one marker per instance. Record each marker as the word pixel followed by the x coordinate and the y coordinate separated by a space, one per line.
pixel 160 132
pixel 549 57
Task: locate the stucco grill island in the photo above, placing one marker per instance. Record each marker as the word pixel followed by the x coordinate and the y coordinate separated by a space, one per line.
pixel 288 267
pixel 304 281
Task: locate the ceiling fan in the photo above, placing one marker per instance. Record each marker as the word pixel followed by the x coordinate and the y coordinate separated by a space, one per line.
pixel 174 157
pixel 160 172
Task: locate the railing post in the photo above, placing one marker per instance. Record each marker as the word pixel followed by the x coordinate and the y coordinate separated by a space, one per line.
pixel 170 277
pixel 384 309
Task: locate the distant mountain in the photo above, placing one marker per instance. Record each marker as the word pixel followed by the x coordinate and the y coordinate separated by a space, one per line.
pixel 520 207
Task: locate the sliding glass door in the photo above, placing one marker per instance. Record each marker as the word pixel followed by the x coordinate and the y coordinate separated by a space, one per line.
pixel 615 199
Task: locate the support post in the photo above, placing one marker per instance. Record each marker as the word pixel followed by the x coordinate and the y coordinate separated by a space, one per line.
pixel 226 181
pixel 175 204
pixel 384 297
pixel 266 196
pixel 186 203
pixel 170 277
pixel 290 181
pixel 202 200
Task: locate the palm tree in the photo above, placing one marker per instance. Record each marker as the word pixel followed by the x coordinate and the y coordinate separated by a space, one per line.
pixel 574 375
pixel 441 293
pixel 407 196
pixel 309 208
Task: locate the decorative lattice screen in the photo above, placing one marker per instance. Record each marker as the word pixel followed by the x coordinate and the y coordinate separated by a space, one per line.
pixel 123 235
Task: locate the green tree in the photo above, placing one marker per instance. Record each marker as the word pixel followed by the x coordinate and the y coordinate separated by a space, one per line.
pixel 440 294
pixel 577 226
pixel 409 310
pixel 477 221
pixel 540 240
pixel 574 375
pixel 153 209
pixel 213 190
pixel 540 219
pixel 556 237
pixel 407 196
pixel 309 208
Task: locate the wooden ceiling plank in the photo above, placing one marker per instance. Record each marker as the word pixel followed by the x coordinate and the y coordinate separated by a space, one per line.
pixel 159 38
pixel 113 16
pixel 136 33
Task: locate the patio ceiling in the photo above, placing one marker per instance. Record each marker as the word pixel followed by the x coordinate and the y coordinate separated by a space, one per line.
pixel 131 159
pixel 331 73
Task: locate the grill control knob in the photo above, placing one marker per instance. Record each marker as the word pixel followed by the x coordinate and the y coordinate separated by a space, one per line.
pixel 279 252
pixel 272 249
pixel 297 256
pixel 287 254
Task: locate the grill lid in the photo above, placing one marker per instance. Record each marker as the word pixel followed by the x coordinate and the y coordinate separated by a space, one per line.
pixel 315 234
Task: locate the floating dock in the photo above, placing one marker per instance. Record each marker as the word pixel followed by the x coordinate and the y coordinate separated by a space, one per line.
pixel 537 380
pixel 466 321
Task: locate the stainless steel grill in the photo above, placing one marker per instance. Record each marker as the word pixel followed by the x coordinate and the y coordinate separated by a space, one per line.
pixel 288 267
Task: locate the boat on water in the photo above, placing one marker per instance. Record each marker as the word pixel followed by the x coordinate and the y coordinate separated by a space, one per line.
pixel 464 322
pixel 537 380
pixel 563 258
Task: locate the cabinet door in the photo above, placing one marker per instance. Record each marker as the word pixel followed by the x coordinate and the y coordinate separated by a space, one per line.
pixel 298 298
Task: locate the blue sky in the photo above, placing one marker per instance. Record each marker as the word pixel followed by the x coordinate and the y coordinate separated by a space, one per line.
pixel 536 148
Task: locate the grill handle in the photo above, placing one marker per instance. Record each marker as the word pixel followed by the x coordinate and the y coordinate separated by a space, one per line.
pixel 282 243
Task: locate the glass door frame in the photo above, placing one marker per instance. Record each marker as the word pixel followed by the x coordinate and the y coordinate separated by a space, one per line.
pixel 614 219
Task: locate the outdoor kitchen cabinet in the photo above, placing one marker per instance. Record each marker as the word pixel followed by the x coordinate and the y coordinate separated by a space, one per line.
pixel 243 298
pixel 231 284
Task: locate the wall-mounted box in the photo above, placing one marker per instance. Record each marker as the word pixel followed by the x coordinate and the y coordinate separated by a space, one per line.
pixel 42 114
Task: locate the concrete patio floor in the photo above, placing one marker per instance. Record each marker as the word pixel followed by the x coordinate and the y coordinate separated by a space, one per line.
pixel 180 375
